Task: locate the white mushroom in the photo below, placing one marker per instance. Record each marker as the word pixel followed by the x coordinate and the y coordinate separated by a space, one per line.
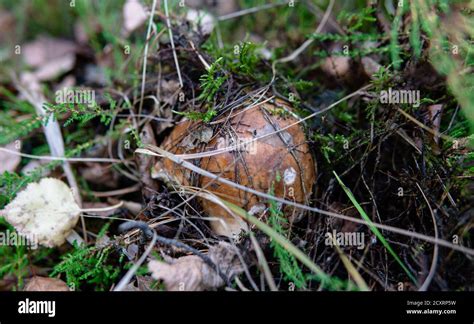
pixel 44 212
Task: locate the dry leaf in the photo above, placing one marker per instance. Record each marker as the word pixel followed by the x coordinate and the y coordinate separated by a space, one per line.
pixel 143 283
pixel 169 91
pixel 8 161
pixel 218 7
pixel 50 57
pixel 44 50
pixel 191 273
pixel 45 284
pixel 134 15
pixel 36 166
pixel 371 67
pixel 44 212
pixel 98 173
pixel 54 69
pixel 434 115
pixel 336 66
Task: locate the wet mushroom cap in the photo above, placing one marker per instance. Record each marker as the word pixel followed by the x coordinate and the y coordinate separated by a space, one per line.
pixel 279 163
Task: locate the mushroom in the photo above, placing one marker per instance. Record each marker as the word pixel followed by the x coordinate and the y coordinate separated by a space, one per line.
pixel 279 163
pixel 44 213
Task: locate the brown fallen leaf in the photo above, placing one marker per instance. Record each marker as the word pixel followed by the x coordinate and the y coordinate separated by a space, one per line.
pixel 8 161
pixel 8 282
pixel 46 284
pixel 337 67
pixel 191 273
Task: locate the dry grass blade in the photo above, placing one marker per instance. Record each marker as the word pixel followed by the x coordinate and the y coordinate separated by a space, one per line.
pixel 434 262
pixel 263 263
pixel 350 267
pixel 168 24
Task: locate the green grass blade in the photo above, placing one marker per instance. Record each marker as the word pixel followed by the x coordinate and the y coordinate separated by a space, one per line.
pixel 415 37
pixel 375 230
pixel 394 46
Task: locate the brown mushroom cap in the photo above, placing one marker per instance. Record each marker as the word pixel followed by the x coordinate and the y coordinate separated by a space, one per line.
pixel 280 162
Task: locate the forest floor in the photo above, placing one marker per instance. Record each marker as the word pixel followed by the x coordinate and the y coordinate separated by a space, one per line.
pixel 370 106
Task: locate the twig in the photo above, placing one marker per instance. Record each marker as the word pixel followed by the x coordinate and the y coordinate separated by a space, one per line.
pixel 104 209
pixel 116 192
pixel 148 231
pixel 128 276
pixel 203 61
pixel 432 131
